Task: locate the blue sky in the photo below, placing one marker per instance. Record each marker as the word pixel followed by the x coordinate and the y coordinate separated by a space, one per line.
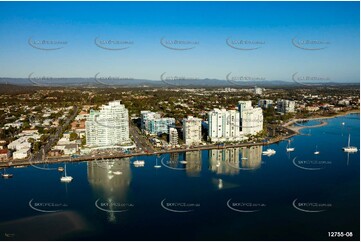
pixel 275 24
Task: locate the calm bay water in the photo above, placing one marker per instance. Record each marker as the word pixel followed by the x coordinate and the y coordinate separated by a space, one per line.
pixel 230 194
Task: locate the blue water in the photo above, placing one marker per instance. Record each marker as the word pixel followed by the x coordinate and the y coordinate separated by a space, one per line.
pixel 287 196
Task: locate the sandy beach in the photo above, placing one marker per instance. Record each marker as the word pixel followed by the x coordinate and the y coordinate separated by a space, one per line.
pixel 296 128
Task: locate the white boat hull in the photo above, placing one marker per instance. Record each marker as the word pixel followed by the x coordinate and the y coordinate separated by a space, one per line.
pixel 6 176
pixel 66 179
pixel 350 149
pixel 269 152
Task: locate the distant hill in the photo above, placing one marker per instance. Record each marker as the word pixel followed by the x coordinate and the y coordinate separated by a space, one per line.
pixel 92 82
pixel 16 89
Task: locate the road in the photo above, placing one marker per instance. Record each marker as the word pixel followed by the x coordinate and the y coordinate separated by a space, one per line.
pixel 139 139
pixel 53 138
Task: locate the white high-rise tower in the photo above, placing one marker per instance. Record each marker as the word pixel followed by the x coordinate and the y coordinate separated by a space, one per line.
pixel 109 126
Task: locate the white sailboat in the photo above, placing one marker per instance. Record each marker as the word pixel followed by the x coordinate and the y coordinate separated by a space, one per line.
pixel 6 175
pixel 289 148
pixel 156 164
pixel 349 149
pixel 66 178
pixel 316 152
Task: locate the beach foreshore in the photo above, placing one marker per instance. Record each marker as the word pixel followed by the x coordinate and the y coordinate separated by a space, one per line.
pixel 299 126
pixel 293 127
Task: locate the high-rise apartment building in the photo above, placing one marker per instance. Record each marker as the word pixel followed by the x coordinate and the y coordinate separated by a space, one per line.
pixel 109 126
pixel 154 124
pixel 265 103
pixel 251 119
pixel 192 130
pixel 285 106
pixel 223 125
pixel 173 137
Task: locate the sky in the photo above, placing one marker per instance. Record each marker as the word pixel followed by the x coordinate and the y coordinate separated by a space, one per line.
pixel 266 40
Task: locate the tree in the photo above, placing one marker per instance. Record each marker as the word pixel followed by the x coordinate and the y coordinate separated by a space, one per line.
pixel 26 125
pixel 36 146
pixel 31 140
pixel 73 136
pixel 83 141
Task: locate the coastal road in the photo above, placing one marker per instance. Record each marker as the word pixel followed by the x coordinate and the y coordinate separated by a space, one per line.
pixel 139 139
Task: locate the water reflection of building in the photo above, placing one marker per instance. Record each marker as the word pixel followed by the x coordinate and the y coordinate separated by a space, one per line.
pixel 231 160
pixel 253 157
pixel 194 162
pixel 174 156
pixel 110 180
pixel 224 161
pixel 173 160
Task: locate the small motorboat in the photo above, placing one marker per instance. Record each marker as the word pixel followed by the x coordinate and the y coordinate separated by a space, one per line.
pixel 139 163
pixel 316 152
pixel 269 152
pixel 6 175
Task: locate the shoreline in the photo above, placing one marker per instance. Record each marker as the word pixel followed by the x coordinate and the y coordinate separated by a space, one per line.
pixel 323 123
pixel 293 130
pixel 327 117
